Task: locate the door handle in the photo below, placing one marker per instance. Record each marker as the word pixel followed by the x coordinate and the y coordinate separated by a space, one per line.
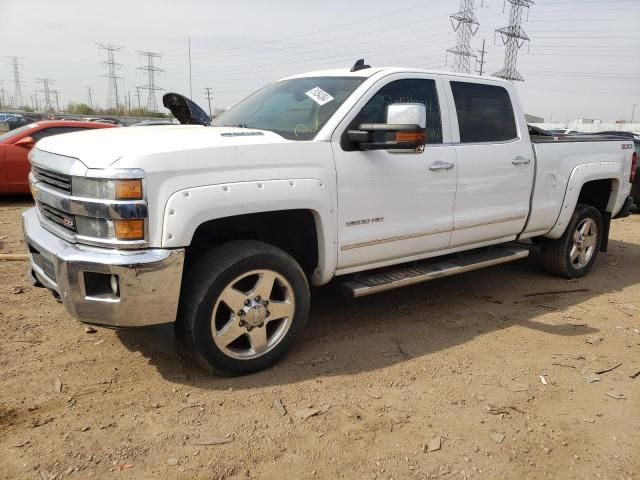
pixel 440 165
pixel 520 160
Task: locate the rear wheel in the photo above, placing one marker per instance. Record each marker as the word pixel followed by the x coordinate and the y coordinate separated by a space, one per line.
pixel 243 305
pixel 574 254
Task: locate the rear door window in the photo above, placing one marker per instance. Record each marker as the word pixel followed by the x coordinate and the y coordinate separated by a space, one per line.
pixel 485 113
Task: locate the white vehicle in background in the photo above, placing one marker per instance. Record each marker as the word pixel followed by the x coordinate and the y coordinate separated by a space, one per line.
pixel 562 131
pixel 372 177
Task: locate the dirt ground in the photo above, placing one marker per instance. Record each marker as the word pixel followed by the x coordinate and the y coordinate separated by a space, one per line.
pixel 495 376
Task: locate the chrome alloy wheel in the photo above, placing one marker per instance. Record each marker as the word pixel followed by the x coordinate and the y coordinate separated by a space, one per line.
pixel 585 239
pixel 252 314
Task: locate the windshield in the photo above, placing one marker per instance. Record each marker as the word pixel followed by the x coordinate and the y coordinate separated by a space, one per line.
pixel 296 109
pixel 14 133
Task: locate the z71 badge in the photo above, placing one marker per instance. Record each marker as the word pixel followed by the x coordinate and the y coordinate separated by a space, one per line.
pixel 364 221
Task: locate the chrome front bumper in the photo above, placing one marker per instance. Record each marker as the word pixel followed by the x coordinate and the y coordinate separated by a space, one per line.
pixel 148 281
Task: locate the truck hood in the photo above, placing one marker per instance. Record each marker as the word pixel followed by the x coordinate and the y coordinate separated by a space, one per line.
pixel 101 148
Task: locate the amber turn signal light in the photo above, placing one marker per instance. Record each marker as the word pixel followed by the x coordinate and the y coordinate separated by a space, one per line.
pixel 410 137
pixel 129 189
pixel 129 229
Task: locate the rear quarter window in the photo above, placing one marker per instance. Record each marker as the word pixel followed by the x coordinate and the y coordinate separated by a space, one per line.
pixel 485 113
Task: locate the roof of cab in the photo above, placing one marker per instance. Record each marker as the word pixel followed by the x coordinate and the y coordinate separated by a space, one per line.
pixel 369 72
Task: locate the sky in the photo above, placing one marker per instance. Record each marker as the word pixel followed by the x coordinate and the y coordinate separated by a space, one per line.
pixel 583 59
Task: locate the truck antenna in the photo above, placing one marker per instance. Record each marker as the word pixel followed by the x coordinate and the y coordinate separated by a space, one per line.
pixel 359 65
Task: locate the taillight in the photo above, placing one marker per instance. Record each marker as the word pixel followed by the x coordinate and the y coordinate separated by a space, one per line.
pixel 634 167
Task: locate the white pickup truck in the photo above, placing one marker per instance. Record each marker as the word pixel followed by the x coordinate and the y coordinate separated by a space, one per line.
pixel 372 177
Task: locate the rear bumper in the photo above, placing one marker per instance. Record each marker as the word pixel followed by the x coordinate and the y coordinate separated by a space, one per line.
pixel 626 207
pixel 147 281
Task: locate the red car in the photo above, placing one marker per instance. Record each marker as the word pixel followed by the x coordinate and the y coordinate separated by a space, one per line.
pixel 16 144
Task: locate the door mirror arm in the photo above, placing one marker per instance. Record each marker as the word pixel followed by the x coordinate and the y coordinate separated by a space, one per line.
pixel 25 142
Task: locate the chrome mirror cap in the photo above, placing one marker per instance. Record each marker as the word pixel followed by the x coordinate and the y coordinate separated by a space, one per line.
pixel 407 114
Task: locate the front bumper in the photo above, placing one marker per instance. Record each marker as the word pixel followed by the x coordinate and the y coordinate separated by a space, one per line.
pixel 148 281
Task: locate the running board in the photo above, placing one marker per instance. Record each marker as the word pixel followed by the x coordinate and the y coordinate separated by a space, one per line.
pixel 423 272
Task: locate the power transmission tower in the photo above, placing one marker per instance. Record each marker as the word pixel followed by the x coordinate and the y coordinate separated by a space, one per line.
pixel 90 98
pixel 466 25
pixel 151 71
pixel 138 95
pixel 17 83
pixel 514 38
pixel 113 100
pixel 209 97
pixel 46 89
pixel 480 63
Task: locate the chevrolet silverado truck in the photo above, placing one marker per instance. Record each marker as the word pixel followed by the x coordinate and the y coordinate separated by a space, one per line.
pixel 375 178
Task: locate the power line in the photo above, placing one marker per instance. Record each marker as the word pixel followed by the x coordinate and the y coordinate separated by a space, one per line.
pixel 151 71
pixel 113 100
pixel 514 38
pixel 465 25
pixel 17 83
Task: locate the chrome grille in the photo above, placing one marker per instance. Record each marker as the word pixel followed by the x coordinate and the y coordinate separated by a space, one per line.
pixel 59 181
pixel 65 220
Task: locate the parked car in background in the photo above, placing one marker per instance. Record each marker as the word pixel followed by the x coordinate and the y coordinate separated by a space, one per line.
pixel 6 116
pixel 18 121
pixel 15 146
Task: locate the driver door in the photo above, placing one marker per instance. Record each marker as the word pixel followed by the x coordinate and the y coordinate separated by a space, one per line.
pixel 393 206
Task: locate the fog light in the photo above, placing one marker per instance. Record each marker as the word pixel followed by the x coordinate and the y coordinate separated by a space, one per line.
pixel 113 281
pixel 129 229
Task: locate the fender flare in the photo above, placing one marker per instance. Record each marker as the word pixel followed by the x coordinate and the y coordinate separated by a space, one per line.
pixel 580 175
pixel 189 208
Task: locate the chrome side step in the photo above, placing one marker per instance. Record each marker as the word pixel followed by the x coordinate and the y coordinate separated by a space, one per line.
pixel 423 272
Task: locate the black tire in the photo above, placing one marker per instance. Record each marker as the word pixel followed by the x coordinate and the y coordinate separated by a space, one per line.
pixel 556 253
pixel 206 281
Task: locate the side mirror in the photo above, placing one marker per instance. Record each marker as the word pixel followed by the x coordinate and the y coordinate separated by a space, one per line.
pixel 185 110
pixel 404 130
pixel 25 142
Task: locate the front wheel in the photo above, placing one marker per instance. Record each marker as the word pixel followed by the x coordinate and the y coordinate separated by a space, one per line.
pixel 574 253
pixel 243 305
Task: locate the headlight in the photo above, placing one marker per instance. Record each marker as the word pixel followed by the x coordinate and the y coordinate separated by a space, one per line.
pixel 107 189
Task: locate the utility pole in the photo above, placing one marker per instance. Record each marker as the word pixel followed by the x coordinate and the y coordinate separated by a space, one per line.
pixel 209 97
pixel 56 92
pixel 633 112
pixel 151 71
pixel 466 25
pixel 113 100
pixel 90 98
pixel 35 97
pixel 129 101
pixel 46 89
pixel 190 84
pixel 1 94
pixel 514 38
pixel 482 61
pixel 138 95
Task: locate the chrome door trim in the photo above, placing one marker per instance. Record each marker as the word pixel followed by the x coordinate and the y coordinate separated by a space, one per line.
pixel 491 222
pixel 394 239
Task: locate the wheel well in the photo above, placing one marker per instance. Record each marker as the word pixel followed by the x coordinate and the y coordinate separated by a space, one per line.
pixel 596 193
pixel 293 231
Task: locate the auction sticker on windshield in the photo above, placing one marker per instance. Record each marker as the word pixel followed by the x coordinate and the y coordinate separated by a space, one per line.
pixel 319 96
